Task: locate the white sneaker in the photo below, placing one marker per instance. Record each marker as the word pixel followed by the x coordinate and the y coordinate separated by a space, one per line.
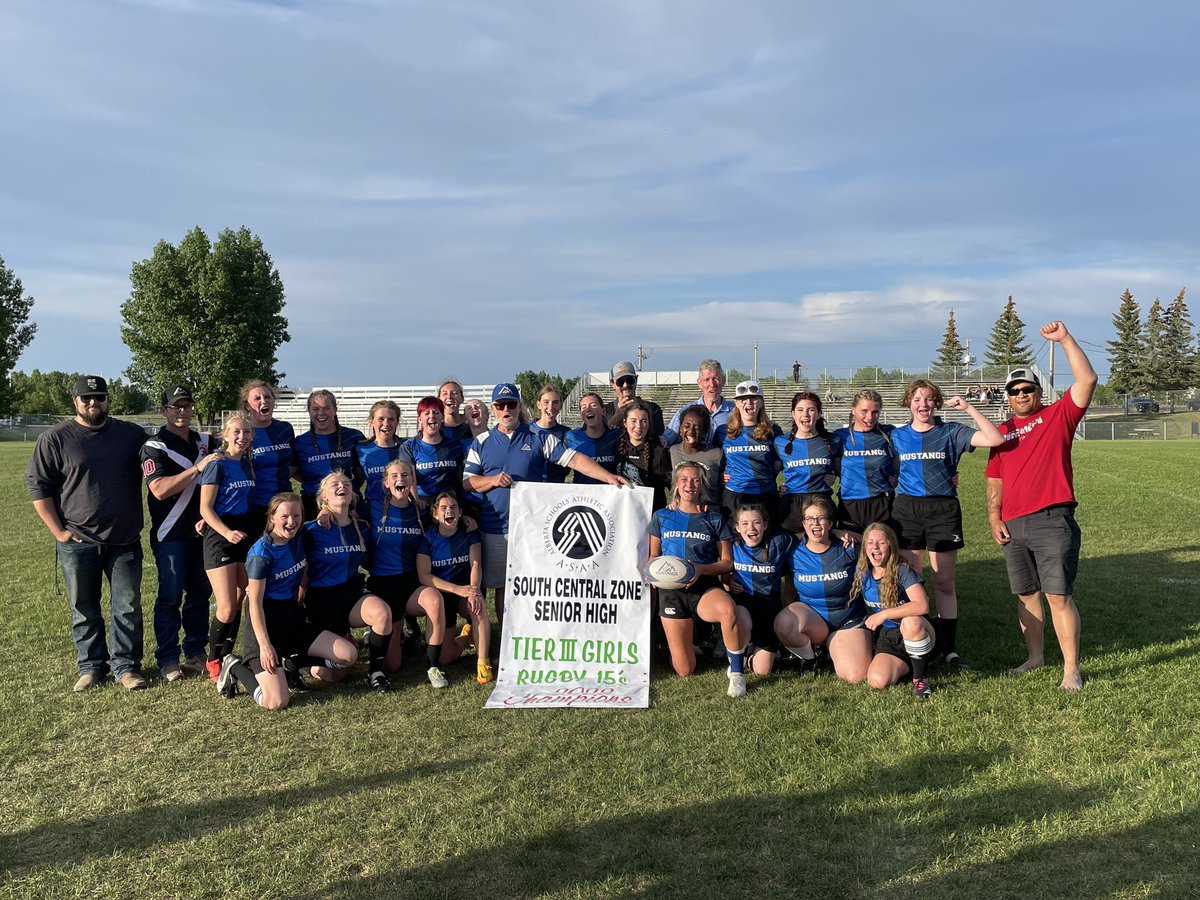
pixel 737 684
pixel 436 678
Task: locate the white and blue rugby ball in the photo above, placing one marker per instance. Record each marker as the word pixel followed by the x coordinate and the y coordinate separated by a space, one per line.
pixel 668 573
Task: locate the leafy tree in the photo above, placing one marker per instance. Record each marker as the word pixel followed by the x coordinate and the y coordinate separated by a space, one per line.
pixel 49 393
pixel 1125 351
pixel 1153 345
pixel 530 384
pixel 951 352
pixel 127 399
pixel 16 331
pixel 1177 356
pixel 207 315
pixel 1006 345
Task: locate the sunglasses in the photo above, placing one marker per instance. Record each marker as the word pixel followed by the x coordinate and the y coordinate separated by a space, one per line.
pixel 626 381
pixel 505 404
pixel 1021 391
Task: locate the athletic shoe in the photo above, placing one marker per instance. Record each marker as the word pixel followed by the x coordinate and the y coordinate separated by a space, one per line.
pixel 193 665
pixel 807 668
pixel 954 661
pixel 227 685
pixel 133 681
pixel 171 672
pixel 87 681
pixel 295 681
pixel 737 684
pixel 213 667
pixel 379 682
pixel 483 672
pixel 436 678
pixel 465 632
pixel 921 689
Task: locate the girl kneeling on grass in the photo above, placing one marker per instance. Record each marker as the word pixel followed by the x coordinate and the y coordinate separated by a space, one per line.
pixel 701 536
pixel 450 561
pixel 904 637
pixel 760 563
pixel 279 628
pixel 825 613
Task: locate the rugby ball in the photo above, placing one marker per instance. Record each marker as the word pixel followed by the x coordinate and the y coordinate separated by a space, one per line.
pixel 668 572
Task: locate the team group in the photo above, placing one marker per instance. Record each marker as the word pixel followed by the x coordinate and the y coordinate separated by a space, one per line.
pixel 785 573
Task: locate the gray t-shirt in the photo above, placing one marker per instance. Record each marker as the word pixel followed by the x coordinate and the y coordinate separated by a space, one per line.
pixel 712 461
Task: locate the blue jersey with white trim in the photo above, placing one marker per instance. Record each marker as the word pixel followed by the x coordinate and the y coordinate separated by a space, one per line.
pixel 905 578
pixel 396 536
pixel 868 463
pixel 928 460
pixel 281 566
pixel 450 557
pixel 235 484
pixel 316 455
pixel 334 553
pixel 272 455
pixel 555 474
pixel 808 463
pixel 523 455
pixel 751 464
pixel 695 537
pixel 602 449
pixel 823 582
pixel 760 570
pixel 372 462
pixel 439 466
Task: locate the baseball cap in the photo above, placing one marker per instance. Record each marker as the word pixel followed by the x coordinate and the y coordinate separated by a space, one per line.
pixel 747 389
pixel 87 385
pixel 178 392
pixel 505 391
pixel 1016 376
pixel 622 369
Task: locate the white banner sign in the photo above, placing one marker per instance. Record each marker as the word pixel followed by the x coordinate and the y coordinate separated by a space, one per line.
pixel 576 611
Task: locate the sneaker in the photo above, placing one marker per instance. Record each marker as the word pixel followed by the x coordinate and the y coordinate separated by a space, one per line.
pixel 171 672
pixel 193 665
pixel 737 684
pixel 133 681
pixel 213 668
pixel 87 681
pixel 807 668
pixel 921 689
pixel 379 682
pixel 436 678
pixel 227 685
pixel 954 661
pixel 483 672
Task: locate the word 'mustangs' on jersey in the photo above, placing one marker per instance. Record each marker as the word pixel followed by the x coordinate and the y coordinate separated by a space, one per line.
pixel 576 588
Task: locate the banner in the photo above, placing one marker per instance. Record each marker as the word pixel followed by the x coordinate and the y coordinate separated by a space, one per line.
pixel 576 611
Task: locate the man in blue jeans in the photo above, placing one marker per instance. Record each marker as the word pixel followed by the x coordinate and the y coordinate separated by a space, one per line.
pixel 172 460
pixel 84 479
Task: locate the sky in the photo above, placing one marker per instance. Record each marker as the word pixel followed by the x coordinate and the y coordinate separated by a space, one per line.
pixel 460 189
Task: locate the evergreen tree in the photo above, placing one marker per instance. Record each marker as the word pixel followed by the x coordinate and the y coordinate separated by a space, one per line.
pixel 16 331
pixel 1007 347
pixel 1177 345
pixel 1125 351
pixel 1154 340
pixel 951 352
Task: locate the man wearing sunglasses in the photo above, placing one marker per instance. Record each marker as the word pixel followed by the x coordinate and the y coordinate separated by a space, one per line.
pixel 624 379
pixel 1031 504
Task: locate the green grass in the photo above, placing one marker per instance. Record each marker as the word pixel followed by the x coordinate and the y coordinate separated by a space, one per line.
pixel 995 788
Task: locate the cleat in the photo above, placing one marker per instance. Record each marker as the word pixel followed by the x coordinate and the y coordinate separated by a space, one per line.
pixel 737 684
pixel 227 685
pixel 483 672
pixel 436 678
pixel 213 667
pixel 807 668
pixel 954 661
pixel 295 681
pixel 379 682
pixel 465 632
pixel 921 689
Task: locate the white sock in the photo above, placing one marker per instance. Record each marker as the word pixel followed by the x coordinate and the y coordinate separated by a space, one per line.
pixel 918 648
pixel 805 652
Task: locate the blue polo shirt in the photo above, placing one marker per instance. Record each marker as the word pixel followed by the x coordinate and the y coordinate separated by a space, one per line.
pixel 523 455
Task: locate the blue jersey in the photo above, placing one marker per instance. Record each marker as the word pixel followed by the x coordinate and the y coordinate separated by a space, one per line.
pixel 555 474
pixel 272 455
pixel 334 553
pixel 439 466
pixel 905 578
pixel 372 462
pixel 868 463
pixel 929 459
pixel 751 464
pixel 602 449
pixel 523 455
pixel 281 566
pixel 759 571
pixel 450 557
pixel 695 537
pixel 808 463
pixel 235 484
pixel 823 582
pixel 316 455
pixel 460 433
pixel 396 536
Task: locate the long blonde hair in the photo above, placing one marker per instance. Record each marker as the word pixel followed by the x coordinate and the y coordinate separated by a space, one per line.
pixel 387 497
pixel 322 502
pixel 889 584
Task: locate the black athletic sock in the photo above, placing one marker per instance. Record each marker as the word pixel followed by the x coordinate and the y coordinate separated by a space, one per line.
pixel 377 645
pixel 231 637
pixel 433 653
pixel 245 677
pixel 217 632
pixel 947 635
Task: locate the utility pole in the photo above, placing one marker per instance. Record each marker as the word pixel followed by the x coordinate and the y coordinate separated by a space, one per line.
pixel 641 357
pixel 756 362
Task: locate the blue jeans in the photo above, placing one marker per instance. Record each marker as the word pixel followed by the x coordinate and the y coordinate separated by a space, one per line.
pixel 85 566
pixel 181 578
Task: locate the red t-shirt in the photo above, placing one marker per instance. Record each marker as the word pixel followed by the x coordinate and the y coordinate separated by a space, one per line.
pixel 1034 462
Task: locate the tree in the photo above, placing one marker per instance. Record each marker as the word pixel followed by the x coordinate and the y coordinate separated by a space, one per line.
pixel 530 384
pixel 1177 356
pixel 205 315
pixel 950 354
pixel 1125 351
pixel 1007 347
pixel 1153 343
pixel 16 331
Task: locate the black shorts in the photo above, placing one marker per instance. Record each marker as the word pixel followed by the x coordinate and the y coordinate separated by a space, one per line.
pixel 763 611
pixel 290 633
pixel 308 503
pixel 682 604
pixel 889 641
pixel 219 552
pixel 328 608
pixel 394 590
pixel 1043 554
pixel 731 500
pixel 856 515
pixel 928 523
pixel 791 510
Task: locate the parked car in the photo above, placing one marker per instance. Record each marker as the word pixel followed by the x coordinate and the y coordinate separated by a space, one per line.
pixel 1141 405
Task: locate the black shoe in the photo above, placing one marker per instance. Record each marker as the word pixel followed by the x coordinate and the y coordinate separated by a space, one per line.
pixel 807 668
pixel 921 689
pixel 295 681
pixel 379 683
pixel 954 661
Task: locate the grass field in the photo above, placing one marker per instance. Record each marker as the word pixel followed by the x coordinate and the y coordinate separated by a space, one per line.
pixel 995 788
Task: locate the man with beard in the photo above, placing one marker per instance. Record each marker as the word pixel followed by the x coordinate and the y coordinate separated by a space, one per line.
pixel 624 379
pixel 84 479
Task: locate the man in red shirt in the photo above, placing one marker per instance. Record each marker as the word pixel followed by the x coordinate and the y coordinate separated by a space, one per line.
pixel 1031 504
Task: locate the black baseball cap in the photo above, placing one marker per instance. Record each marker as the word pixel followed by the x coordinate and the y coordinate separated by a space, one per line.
pixel 90 386
pixel 178 392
